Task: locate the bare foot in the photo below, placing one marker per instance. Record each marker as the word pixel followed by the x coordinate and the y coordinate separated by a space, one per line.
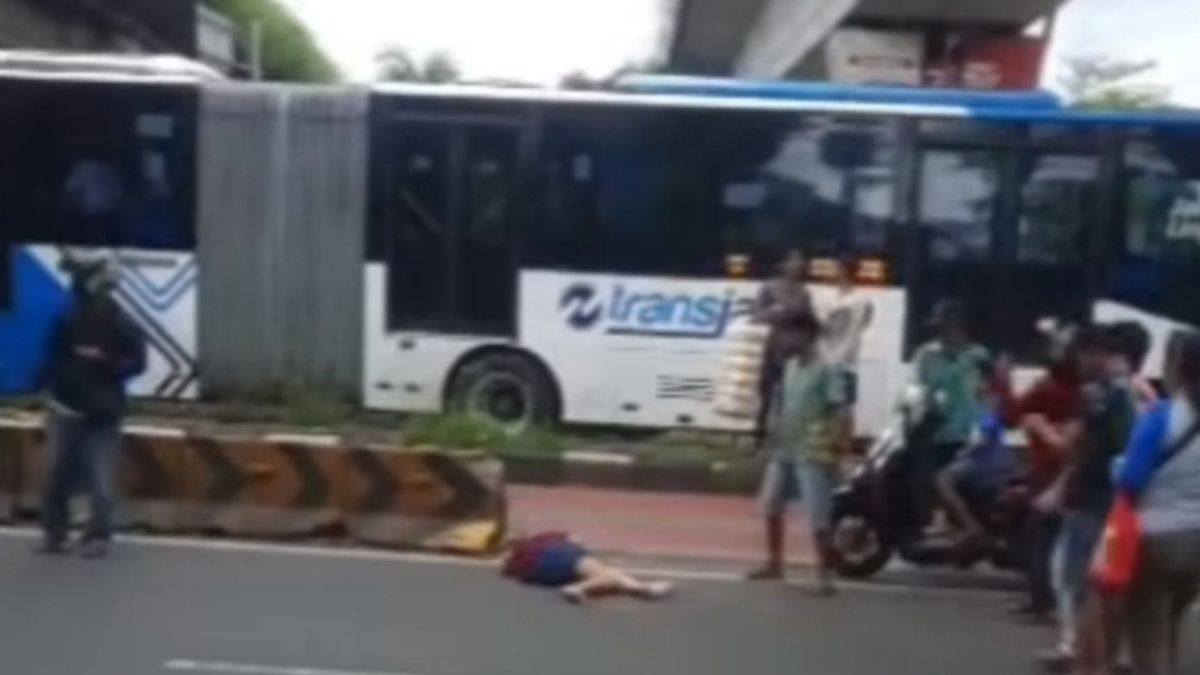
pixel 573 595
pixel 657 590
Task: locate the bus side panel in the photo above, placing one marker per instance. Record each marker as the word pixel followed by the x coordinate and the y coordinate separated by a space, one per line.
pixel 98 170
pixel 406 370
pixel 647 351
pixel 156 290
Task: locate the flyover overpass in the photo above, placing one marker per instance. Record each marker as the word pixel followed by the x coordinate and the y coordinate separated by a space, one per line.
pixel 781 38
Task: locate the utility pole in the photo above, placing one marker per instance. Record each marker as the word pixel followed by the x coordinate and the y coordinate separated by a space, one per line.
pixel 256 51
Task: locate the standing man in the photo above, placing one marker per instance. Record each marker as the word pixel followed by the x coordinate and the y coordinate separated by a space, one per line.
pixel 807 431
pixel 1108 412
pixel 1049 414
pixel 949 369
pixel 92 351
pixel 785 305
pixel 847 318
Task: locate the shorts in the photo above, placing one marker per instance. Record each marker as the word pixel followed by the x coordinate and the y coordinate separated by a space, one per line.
pixel 850 377
pixel 975 482
pixel 1072 558
pixel 557 564
pixel 812 482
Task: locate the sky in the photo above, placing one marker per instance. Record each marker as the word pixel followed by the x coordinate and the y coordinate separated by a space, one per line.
pixel 525 40
pixel 541 40
pixel 1166 31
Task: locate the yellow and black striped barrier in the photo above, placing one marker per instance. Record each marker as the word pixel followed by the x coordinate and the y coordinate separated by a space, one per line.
pixel 280 486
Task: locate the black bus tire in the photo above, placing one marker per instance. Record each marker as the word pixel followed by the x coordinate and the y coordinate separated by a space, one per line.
pixel 507 387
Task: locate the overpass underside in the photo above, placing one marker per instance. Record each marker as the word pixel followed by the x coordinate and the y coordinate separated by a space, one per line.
pixel 778 38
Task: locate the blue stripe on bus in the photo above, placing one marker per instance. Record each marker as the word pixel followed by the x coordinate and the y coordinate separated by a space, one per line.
pixel 826 91
pixel 37 298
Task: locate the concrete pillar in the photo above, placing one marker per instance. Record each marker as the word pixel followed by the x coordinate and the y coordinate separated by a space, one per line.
pixel 785 32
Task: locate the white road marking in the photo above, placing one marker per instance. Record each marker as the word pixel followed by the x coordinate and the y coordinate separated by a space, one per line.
pixel 227 668
pixel 400 557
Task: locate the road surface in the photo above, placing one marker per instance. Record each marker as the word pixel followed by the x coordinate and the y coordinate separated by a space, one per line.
pixel 214 609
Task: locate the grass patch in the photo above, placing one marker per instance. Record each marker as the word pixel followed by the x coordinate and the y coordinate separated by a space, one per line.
pixel 690 449
pixel 466 432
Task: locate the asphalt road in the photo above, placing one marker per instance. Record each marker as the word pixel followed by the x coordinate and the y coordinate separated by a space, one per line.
pixel 166 608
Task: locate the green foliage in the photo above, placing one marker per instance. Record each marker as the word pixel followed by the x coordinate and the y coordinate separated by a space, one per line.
pixel 467 432
pixel 1103 82
pixel 395 64
pixel 290 53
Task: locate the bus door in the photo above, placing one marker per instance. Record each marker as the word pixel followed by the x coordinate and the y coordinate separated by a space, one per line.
pixel 1009 231
pixel 958 210
pixel 1048 246
pixel 452 210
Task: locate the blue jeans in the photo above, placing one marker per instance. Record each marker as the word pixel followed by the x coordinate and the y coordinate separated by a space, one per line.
pixel 1078 537
pixel 83 455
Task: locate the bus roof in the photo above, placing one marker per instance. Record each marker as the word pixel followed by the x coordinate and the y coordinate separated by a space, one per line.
pixel 660 100
pixel 1004 106
pixel 1093 117
pixel 969 99
pixel 35 65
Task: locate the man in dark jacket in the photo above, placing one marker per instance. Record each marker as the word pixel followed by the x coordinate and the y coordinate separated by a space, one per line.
pixel 91 352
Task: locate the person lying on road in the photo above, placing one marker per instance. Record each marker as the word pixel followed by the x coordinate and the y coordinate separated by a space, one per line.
pixel 556 560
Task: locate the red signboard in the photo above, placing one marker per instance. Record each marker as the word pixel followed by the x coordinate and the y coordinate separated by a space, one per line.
pixel 991 63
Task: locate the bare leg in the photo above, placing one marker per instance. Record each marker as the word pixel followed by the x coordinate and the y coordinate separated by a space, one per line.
pixel 824 545
pixel 773 569
pixel 597 579
pixel 954 501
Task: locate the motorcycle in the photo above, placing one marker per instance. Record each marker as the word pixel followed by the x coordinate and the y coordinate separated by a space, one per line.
pixel 875 517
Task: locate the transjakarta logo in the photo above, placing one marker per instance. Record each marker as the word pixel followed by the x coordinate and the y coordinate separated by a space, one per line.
pixel 620 311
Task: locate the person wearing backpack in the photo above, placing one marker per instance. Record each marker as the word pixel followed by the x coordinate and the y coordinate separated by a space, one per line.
pixel 1161 472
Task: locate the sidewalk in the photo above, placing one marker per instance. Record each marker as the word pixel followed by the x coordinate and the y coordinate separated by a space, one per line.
pixel 646 524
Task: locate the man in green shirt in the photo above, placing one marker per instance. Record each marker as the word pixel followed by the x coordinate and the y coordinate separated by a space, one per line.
pixel 949 369
pixel 808 428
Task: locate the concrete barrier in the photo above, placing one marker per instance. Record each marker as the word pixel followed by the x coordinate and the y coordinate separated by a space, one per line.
pixel 280 486
pixel 423 499
pixel 262 487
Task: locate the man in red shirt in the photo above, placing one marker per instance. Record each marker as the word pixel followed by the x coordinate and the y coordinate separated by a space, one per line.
pixel 1049 414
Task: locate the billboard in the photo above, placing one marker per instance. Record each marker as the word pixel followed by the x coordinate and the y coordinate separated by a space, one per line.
pixel 859 56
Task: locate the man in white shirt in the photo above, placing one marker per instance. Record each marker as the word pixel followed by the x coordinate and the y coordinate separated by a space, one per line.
pixel 845 320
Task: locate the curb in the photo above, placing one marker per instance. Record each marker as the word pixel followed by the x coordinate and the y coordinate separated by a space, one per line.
pixel 619 471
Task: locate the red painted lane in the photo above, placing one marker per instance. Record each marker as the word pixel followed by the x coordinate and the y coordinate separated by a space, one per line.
pixel 653 524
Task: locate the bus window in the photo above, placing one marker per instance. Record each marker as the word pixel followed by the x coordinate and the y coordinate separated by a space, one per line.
pixel 484 280
pixel 827 185
pixel 97 166
pixel 958 207
pixel 958 203
pixel 1156 266
pixel 418 216
pixel 1048 275
pixel 628 191
pixel 633 191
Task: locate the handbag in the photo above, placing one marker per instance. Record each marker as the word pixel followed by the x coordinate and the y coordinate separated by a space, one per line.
pixel 1120 550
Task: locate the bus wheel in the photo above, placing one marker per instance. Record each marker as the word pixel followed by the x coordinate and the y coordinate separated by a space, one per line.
pixel 509 388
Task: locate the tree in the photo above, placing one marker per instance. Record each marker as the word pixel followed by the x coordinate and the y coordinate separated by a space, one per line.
pixel 395 64
pixel 440 69
pixel 1103 82
pixel 579 80
pixel 289 51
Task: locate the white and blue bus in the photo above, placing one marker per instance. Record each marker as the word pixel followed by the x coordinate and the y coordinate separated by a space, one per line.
pixel 99 155
pixel 546 255
pixel 563 255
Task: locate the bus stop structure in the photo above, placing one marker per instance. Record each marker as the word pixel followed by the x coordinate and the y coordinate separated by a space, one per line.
pixel 785 38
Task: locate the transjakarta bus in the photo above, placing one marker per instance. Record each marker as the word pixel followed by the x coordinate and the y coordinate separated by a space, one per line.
pixel 543 256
